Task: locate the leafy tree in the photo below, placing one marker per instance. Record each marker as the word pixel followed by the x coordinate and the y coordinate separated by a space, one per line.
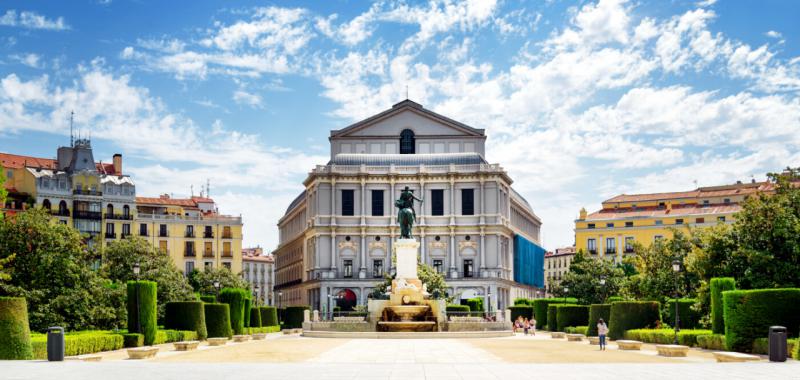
pixel 52 270
pixel 203 281
pixel 3 191
pixel 583 280
pixel 120 256
pixel 655 279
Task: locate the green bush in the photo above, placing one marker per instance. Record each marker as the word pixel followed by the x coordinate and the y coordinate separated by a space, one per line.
pixel 712 342
pixel 264 329
pixel 596 312
pixel 80 343
pixel 629 315
pixel 187 315
pixel 613 299
pixel 235 298
pixel 15 334
pixel 689 318
pixel 552 317
pixel 523 301
pixel 576 329
pixel 143 309
pixel 571 315
pixel 255 318
pixel 169 336
pixel 247 304
pixel 475 304
pixel 208 298
pixel 457 308
pixel 133 340
pixel 540 308
pixel 686 337
pixel 269 316
pixel 294 317
pixel 218 320
pixel 796 350
pixel 750 313
pixel 521 310
pixel 719 285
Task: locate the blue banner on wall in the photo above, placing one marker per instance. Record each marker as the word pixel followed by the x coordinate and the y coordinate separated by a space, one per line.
pixel 528 262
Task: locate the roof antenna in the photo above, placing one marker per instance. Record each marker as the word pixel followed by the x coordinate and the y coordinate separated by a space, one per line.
pixel 191 190
pixel 208 188
pixel 71 136
pixel 406 92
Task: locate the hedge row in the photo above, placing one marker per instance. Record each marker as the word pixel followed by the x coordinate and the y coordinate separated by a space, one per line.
pixel 188 315
pixel 761 346
pixel 666 336
pixel 475 304
pixel 613 299
pixel 629 315
pixel 597 312
pixel 523 311
pixel 142 309
pixel 169 336
pixel 576 330
pixel 208 298
pixel 80 343
pixel 712 342
pixel 571 315
pixel 15 334
pixel 552 316
pixel 218 320
pixel 294 317
pixel 750 313
pixel 523 302
pixel 132 340
pixel 719 285
pixel 235 298
pixel 540 308
pixel 247 306
pixel 269 316
pixel 263 330
pixel 453 308
pixel 689 318
pixel 255 318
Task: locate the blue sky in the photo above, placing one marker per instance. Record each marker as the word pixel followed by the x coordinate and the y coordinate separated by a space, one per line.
pixel 581 100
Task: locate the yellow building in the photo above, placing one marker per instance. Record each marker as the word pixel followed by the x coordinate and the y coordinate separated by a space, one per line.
pixel 644 218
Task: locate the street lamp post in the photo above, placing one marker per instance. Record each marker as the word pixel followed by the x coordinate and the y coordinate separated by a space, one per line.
pixel 216 288
pixel 566 290
pixel 676 268
pixel 603 288
pixel 330 309
pixel 136 269
pixel 489 303
pixel 280 296
pixel 256 294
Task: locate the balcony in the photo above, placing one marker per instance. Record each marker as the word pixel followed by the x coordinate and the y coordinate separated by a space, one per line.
pixel 628 250
pixel 145 234
pixel 82 214
pixel 592 251
pixel 227 236
pixel 227 254
pixel 208 254
pixel 126 235
pixel 87 192
pixel 611 251
pixel 189 253
pixel 59 213
pixel 119 216
pixel 208 235
pixel 111 235
pixel 189 234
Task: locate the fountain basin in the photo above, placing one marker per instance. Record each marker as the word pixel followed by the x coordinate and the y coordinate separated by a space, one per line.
pixel 408 312
pixel 409 326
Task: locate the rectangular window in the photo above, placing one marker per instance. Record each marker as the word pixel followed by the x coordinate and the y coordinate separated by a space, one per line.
pixel 467 201
pixel 189 249
pixel 142 229
pixel 209 265
pixel 208 232
pixel 590 226
pixel 629 244
pixel 189 267
pixel 348 203
pixel 348 269
pixel 162 230
pixel 678 221
pixel 377 202
pixel 659 222
pixel 706 203
pixel 437 202
pixel 126 230
pixel 467 268
pixel 226 249
pixel 227 265
pixel 727 200
pixel 658 238
pixel 377 268
pixel 207 251
pixel 226 232
pixel 700 220
pixel 438 266
pixel 628 224
pixel 609 225
pixel 591 245
pixel 190 231
pixel 110 231
pixel 662 205
pixel 720 219
pixel 611 245
pixel 162 245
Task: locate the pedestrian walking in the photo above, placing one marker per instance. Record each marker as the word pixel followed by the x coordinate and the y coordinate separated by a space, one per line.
pixel 602 331
pixel 533 326
pixel 526 325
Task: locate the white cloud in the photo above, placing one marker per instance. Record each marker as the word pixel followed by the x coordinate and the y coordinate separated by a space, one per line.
pixel 773 34
pixel 243 97
pixel 30 59
pixel 31 20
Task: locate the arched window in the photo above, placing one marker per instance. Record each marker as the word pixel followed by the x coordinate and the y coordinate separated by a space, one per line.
pixel 46 204
pixel 126 211
pixel 407 142
pixel 110 211
pixel 62 208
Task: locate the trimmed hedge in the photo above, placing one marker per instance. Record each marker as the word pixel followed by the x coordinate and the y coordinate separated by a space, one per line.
pixel 712 342
pixel 576 329
pixel 169 336
pixel 457 308
pixel 255 318
pixel 552 317
pixel 247 305
pixel 208 298
pixel 689 318
pixel 523 301
pixel 521 310
pixel 269 316
pixel 79 343
pixel 686 337
pixel 132 340
pixel 796 350
pixel 613 299
pixel 264 330
pixel 750 313
pixel 597 311
pixel 235 298
pixel 571 316
pixel 15 333
pixel 187 315
pixel 719 285
pixel 629 315
pixel 218 320
pixel 294 317
pixel 475 304
pixel 143 313
pixel 540 308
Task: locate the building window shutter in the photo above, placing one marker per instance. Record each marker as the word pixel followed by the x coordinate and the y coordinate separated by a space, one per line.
pixel 347 203
pixel 377 202
pixel 437 202
pixel 467 202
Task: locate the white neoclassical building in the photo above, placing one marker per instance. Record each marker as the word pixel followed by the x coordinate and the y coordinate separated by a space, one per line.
pixel 336 236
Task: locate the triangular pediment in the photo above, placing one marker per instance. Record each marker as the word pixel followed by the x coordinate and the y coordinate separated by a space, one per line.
pixel 407 115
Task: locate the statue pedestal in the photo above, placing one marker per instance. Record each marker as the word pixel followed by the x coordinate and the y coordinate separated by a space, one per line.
pixel 405 251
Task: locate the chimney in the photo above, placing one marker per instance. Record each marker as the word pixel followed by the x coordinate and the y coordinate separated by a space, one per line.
pixel 118 164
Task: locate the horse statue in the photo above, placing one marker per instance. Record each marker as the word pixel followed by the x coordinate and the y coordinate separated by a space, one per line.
pixel 406 215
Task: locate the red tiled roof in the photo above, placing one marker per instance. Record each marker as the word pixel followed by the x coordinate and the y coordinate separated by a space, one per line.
pixel 202 200
pixel 166 201
pixel 15 161
pixel 711 191
pixel 654 212
pixel 264 259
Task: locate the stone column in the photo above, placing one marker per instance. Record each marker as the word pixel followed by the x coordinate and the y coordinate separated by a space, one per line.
pixel 422 245
pixel 316 316
pixel 422 205
pixel 306 316
pixel 362 273
pixel 482 249
pixel 363 201
pixel 453 267
pixel 333 201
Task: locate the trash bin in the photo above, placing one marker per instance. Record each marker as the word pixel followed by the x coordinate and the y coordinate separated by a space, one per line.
pixel 777 344
pixel 55 344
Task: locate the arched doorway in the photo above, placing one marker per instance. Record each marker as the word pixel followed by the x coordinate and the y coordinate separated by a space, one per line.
pixel 346 300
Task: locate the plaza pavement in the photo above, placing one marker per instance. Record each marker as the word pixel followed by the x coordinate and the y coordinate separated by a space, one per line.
pixel 295 357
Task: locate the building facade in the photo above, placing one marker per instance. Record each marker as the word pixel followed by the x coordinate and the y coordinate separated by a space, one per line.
pixel 336 236
pixel 258 269
pixel 644 218
pixel 556 265
pixel 100 201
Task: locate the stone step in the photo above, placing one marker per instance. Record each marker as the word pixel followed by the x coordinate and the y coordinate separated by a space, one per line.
pixel 672 350
pixel 142 352
pixel 734 357
pixel 629 344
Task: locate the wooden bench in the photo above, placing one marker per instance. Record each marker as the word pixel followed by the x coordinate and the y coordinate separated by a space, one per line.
pixel 557 335
pixel 259 336
pixel 575 337
pixel 186 345
pixel 142 352
pixel 217 341
pixel 734 357
pixel 594 340
pixel 672 350
pixel 241 338
pixel 629 344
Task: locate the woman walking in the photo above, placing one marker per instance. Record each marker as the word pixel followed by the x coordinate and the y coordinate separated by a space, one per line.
pixel 602 331
pixel 533 326
pixel 526 325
